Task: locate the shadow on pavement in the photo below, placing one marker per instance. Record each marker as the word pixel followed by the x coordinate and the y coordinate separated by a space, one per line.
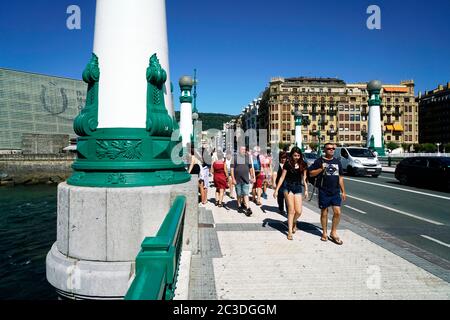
pixel 282 226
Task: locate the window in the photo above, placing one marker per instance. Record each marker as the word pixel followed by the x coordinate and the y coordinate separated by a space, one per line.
pixel 352 127
pixel 357 117
pixel 347 117
pixel 352 117
pixel 358 108
pixel 358 127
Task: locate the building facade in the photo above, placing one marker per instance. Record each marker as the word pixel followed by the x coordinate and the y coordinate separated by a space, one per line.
pixel 37 104
pixel 249 122
pixel 335 111
pixel 434 113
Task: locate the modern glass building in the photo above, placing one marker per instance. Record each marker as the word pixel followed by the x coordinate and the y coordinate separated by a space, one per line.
pixel 36 103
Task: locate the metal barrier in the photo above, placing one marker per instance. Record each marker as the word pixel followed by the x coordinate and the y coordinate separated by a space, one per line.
pixel 394 159
pixel 158 261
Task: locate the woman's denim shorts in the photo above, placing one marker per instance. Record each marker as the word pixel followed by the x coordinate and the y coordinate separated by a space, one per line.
pixel 295 188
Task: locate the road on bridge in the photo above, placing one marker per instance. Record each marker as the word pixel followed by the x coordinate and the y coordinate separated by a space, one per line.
pixel 420 217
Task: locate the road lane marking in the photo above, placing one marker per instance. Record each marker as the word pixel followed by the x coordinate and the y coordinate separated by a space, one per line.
pixel 387 178
pixel 398 211
pixel 435 240
pixel 357 210
pixel 396 188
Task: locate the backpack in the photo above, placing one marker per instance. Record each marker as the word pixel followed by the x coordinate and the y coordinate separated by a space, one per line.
pixel 257 164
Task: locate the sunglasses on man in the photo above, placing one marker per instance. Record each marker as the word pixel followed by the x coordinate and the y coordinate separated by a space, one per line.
pixel 330 148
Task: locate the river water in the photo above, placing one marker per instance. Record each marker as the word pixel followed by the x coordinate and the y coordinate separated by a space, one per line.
pixel 27 232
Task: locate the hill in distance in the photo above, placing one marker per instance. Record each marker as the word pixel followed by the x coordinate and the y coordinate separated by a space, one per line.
pixel 211 120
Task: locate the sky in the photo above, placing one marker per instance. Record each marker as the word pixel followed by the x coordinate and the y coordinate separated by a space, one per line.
pixel 238 45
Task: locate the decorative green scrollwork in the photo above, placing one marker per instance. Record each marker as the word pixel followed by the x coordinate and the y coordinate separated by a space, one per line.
pixel 119 149
pixel 116 178
pixel 159 122
pixel 87 121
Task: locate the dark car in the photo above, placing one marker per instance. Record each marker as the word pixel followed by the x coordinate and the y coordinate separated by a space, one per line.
pixel 434 171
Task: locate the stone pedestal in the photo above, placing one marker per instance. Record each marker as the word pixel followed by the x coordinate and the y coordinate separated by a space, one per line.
pixel 100 231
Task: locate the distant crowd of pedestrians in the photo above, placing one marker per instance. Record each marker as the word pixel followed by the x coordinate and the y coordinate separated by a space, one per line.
pixel 253 172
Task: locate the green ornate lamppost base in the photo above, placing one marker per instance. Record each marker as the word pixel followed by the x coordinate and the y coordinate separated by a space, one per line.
pixel 126 158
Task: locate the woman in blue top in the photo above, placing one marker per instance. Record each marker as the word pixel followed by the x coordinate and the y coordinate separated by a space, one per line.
pixel 294 172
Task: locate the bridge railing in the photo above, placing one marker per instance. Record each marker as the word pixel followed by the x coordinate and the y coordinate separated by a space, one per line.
pixel 158 261
pixel 393 159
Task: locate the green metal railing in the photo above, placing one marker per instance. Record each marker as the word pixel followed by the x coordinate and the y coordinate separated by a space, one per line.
pixel 158 261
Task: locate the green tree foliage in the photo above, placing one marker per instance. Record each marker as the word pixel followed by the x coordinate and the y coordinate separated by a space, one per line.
pixel 391 145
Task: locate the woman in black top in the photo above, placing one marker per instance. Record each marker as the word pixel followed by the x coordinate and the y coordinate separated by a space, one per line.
pixel 294 173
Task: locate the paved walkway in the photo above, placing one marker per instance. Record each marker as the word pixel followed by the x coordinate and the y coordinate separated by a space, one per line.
pixel 250 258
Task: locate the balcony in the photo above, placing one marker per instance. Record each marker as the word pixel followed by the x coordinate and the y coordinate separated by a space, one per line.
pixel 397 113
pixel 332 113
pixel 332 133
pixel 322 112
pixel 323 123
pixel 314 133
pixel 314 112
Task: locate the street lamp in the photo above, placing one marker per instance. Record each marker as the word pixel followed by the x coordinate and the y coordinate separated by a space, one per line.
pixel 194 120
pixel 438 151
pixel 298 116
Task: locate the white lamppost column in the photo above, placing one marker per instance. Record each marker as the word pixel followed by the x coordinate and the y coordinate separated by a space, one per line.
pixel 374 134
pixel 186 125
pixel 127 34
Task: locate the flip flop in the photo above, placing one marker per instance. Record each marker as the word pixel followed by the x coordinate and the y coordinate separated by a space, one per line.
pixel 337 240
pixel 324 239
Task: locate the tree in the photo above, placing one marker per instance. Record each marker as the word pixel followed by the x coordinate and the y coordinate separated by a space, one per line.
pixel 391 145
pixel 447 147
pixel 426 147
pixel 284 146
pixel 406 147
pixel 314 146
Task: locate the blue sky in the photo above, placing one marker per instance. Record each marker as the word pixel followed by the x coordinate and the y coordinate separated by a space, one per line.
pixel 237 46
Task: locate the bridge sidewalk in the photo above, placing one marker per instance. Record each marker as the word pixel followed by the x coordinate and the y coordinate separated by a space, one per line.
pixel 250 258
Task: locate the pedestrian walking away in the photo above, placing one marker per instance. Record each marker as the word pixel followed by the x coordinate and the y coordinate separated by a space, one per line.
pixel 220 177
pixel 228 160
pixel 294 173
pixel 259 175
pixel 330 183
pixel 243 175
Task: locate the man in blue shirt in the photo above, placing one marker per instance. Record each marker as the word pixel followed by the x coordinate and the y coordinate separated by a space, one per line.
pixel 330 183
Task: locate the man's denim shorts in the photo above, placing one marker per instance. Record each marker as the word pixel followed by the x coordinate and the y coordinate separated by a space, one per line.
pixel 326 201
pixel 242 189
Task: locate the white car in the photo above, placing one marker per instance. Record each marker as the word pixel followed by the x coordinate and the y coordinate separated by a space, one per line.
pixel 358 161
